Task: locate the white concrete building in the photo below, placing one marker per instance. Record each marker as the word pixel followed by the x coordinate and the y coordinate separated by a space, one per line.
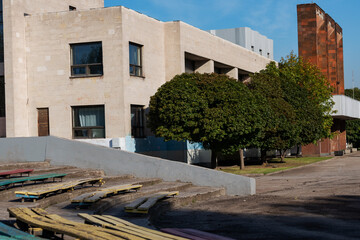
pixel 249 39
pixel 76 70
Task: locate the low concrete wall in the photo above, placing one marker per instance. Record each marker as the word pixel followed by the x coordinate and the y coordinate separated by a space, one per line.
pixel 118 162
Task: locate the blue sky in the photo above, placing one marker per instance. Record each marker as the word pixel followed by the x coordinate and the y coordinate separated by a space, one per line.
pixel 275 19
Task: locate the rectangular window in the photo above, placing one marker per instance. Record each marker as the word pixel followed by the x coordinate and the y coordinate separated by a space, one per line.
pixel 88 122
pixel 260 51
pixel 252 48
pixel 72 8
pixel 2 97
pixel 137 121
pixel 86 59
pixel 135 60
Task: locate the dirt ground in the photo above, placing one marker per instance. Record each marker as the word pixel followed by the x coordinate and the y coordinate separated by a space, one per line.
pixel 319 201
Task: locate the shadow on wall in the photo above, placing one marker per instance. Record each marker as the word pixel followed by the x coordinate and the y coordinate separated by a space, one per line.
pixel 157 147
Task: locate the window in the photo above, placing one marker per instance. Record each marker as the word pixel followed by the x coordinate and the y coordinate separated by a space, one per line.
pixel 135 60
pixel 252 48
pixel 88 122
pixel 86 59
pixel 72 8
pixel 268 55
pixel 260 51
pixel 137 121
pixel 2 97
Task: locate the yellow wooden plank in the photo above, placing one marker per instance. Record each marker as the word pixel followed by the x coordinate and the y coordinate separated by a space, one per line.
pixel 136 203
pixel 81 231
pixel 154 199
pixel 122 225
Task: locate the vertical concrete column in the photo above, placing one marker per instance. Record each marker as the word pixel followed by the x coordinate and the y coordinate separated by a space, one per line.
pixel 15 69
pixel 234 73
pixel 204 66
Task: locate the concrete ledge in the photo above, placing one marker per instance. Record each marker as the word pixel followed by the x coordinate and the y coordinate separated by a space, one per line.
pixel 117 162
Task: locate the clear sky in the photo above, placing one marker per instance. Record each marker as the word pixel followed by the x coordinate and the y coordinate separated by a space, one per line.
pixel 275 19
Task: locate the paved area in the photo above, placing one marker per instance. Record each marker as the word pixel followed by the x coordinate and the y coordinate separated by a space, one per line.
pixel 319 201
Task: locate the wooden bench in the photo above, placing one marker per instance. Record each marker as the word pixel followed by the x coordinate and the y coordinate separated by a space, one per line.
pixel 8 174
pixel 56 189
pixel 90 198
pixel 194 234
pixel 142 205
pixel 115 223
pixel 53 224
pixel 7 232
pixel 5 184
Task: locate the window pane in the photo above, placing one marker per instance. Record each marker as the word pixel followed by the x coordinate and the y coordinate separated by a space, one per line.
pixel 79 70
pixel 80 133
pixel 89 116
pixel 134 52
pixel 87 53
pixel 96 69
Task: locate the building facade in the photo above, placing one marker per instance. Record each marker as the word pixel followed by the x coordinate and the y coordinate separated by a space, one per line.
pixel 77 70
pixel 249 39
pixel 320 41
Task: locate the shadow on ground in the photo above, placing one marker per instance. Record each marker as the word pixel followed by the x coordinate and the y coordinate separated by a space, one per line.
pixel 321 218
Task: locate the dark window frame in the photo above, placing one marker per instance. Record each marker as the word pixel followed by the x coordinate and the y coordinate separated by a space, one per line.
pixel 138 129
pixel 87 128
pixel 88 65
pixel 136 67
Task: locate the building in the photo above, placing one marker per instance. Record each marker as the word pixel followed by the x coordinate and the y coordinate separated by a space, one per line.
pixel 249 39
pixel 320 41
pixel 76 70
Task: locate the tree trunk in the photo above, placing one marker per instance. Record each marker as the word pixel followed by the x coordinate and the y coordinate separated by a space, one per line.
pixel 263 156
pixel 282 155
pixel 298 150
pixel 213 159
pixel 242 164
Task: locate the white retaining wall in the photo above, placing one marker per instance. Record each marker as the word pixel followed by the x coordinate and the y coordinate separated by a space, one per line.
pixel 117 162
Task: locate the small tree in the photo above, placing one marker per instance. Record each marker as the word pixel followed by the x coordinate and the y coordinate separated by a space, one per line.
pixel 213 109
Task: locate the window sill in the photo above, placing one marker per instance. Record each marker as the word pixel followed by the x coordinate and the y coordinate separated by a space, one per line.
pixel 143 77
pixel 87 76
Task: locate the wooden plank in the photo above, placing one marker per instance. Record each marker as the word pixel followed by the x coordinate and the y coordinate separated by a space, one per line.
pixel 42 192
pixel 77 230
pixel 113 223
pixel 142 205
pixel 16 171
pixel 110 191
pixel 8 182
pixel 14 233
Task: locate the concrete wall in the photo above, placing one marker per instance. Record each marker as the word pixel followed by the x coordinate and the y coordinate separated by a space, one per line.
pixel 249 39
pixel 117 162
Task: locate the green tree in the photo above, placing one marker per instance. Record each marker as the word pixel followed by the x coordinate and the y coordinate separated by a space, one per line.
pixel 353 126
pixel 213 109
pixel 299 101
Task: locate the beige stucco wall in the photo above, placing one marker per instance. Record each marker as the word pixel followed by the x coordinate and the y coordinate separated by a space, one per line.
pixel 16 59
pixel 38 72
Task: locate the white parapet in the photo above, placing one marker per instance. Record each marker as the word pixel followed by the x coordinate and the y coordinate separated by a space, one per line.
pixel 346 107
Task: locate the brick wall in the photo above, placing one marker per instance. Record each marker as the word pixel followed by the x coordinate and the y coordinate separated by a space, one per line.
pixel 321 43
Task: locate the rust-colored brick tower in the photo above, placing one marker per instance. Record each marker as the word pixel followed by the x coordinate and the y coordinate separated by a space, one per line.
pixel 320 42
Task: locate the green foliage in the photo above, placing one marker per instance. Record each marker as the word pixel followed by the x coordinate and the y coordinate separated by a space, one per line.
pixel 299 103
pixel 213 109
pixel 353 126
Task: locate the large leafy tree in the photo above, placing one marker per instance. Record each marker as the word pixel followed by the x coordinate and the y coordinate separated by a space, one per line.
pixel 299 102
pixel 353 126
pixel 213 109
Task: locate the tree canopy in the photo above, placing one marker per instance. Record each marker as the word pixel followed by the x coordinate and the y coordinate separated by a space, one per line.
pixel 216 110
pixel 353 126
pixel 299 103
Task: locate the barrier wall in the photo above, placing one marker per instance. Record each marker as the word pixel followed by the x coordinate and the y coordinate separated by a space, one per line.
pixel 117 162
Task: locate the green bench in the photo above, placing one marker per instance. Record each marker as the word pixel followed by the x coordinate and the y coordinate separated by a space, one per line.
pixel 5 184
